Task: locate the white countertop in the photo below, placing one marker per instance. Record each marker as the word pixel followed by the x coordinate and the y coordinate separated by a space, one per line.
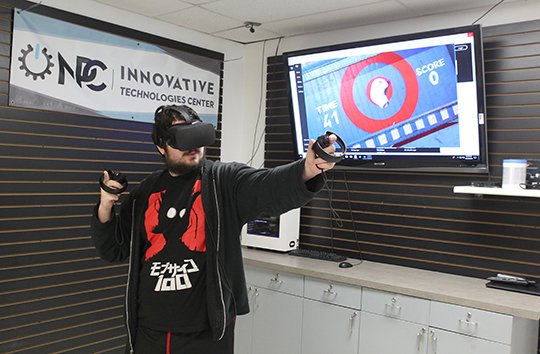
pixel 454 289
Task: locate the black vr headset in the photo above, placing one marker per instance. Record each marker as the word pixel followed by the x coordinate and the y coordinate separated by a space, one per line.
pixel 189 135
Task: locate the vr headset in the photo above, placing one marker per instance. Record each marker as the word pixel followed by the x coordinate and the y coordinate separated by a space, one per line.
pixel 189 135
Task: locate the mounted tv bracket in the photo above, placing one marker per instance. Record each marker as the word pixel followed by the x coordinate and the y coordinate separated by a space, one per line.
pixel 323 142
pixel 115 176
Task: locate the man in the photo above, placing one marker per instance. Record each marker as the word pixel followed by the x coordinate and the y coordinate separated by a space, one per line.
pixel 180 231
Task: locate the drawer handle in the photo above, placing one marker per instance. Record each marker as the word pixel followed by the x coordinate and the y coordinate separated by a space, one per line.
pixel 330 291
pixel 467 321
pixel 276 279
pixel 393 307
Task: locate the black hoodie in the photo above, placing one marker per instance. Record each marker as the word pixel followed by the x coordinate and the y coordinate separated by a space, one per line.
pixel 232 194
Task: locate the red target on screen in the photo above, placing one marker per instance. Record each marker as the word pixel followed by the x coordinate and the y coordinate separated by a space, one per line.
pixel 411 95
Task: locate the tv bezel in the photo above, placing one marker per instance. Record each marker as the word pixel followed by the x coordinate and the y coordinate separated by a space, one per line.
pixel 402 162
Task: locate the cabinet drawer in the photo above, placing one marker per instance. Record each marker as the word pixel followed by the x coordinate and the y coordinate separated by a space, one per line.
pixel 278 281
pixel 471 321
pixel 333 293
pixel 404 307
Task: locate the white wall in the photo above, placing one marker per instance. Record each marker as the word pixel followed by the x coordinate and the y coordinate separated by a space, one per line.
pixel 245 126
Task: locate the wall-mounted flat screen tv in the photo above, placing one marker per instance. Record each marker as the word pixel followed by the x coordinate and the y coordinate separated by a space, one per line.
pixel 402 102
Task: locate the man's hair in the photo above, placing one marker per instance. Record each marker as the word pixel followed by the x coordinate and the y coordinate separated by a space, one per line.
pixel 165 116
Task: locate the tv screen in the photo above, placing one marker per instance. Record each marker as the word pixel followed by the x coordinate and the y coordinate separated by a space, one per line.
pixel 409 101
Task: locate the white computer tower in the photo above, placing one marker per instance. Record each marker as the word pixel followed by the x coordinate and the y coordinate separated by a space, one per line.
pixel 278 233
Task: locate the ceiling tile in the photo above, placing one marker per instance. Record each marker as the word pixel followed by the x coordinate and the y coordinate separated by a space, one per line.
pixel 201 20
pixel 265 10
pixel 148 8
pixel 353 17
pixel 425 7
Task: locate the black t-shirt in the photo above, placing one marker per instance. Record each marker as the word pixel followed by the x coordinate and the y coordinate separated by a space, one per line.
pixel 172 287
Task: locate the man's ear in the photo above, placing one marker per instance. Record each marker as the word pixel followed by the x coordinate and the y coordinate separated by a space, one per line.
pixel 160 150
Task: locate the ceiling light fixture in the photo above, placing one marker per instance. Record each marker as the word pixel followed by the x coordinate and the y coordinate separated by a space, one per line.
pixel 251 25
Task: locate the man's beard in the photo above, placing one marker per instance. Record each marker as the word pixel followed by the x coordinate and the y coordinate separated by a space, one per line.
pixel 181 168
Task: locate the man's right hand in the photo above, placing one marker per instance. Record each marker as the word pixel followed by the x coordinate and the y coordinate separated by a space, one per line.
pixel 107 200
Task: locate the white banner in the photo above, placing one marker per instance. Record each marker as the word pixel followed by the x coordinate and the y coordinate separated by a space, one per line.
pixel 64 67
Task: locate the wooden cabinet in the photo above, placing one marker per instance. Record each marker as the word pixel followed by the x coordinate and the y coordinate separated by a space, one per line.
pixel 331 319
pixel 397 324
pixel 277 323
pixel 467 330
pixel 393 323
pixel 274 324
pixel 291 314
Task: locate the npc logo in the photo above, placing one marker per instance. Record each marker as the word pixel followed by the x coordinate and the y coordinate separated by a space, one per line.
pixel 36 62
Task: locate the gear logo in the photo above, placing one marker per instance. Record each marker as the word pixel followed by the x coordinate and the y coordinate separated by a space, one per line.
pixel 38 65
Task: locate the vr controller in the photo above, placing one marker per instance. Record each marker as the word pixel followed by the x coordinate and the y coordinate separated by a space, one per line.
pixel 115 176
pixel 323 142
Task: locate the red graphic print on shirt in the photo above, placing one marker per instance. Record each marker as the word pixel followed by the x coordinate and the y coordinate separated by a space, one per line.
pixel 195 237
pixel 157 240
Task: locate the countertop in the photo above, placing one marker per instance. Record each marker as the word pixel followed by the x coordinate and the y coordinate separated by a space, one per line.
pixel 454 289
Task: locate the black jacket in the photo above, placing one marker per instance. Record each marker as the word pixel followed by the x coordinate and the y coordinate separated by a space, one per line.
pixel 232 194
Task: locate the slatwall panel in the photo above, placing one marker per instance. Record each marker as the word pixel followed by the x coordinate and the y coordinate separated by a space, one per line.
pixel 56 295
pixel 414 219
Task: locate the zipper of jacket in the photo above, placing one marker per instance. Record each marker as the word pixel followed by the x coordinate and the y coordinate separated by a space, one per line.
pixel 217 260
pixel 130 340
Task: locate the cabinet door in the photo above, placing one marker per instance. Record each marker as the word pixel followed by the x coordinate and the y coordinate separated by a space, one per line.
pixel 244 327
pixel 277 322
pixel 444 342
pixel 386 335
pixel 329 329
